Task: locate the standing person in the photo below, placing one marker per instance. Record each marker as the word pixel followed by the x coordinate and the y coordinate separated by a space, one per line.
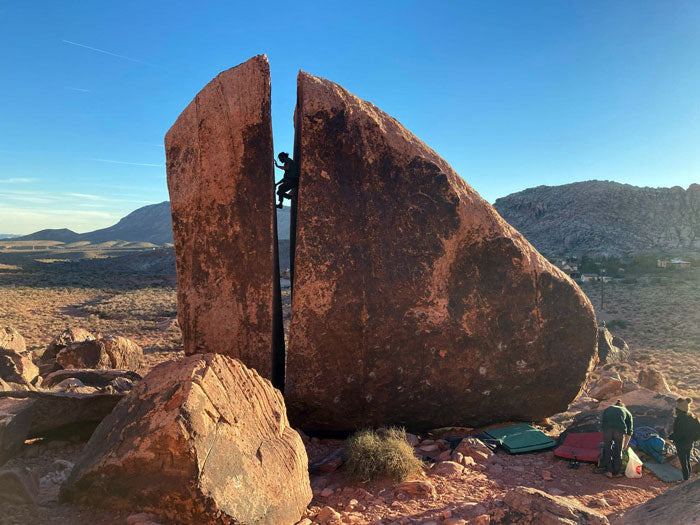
pixel 686 430
pixel 290 181
pixel 617 431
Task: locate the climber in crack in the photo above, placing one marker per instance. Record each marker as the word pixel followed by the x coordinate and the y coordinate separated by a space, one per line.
pixel 290 181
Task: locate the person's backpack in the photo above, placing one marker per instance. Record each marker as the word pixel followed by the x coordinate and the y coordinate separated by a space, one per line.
pixel 695 429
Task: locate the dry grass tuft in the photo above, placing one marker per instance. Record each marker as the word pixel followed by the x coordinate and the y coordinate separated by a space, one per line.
pixel 370 455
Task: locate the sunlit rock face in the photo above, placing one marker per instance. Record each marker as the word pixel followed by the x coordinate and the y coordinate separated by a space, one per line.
pixel 220 178
pixel 414 302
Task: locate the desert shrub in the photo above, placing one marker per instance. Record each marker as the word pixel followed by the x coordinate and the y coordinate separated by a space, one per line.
pixel 146 303
pixel 616 323
pixel 370 455
pixel 629 280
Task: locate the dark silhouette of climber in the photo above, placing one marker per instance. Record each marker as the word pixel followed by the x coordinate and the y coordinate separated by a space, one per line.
pixel 290 181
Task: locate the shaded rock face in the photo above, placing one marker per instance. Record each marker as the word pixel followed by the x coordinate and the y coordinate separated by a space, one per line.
pixel 611 349
pixel 414 302
pixel 200 440
pixel 220 177
pixel 104 353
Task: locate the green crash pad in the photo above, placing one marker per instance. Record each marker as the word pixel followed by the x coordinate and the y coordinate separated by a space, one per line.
pixel 664 471
pixel 517 439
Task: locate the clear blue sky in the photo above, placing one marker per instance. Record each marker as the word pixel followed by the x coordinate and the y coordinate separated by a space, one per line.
pixel 513 94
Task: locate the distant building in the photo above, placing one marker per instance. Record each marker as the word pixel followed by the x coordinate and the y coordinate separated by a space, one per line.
pixel 588 277
pixel 605 278
pixel 575 275
pixel 661 264
pixel 677 263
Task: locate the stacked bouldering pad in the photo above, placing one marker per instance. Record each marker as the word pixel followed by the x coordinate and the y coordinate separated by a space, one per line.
pixel 663 471
pixel 517 439
pixel 584 446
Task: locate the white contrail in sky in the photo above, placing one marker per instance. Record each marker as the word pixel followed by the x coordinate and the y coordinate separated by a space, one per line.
pixel 129 163
pixel 79 89
pixel 16 180
pixel 107 53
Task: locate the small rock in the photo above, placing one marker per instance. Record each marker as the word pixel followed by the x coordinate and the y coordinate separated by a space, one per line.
pixel 468 461
pixel 546 475
pixel 417 488
pixel 600 502
pixel 412 439
pixel 446 514
pixel 448 468
pixel 483 519
pixel 454 521
pixel 304 521
pixel 444 456
pixel 554 491
pixel 457 456
pixel 432 447
pixel 328 515
pixel 327 492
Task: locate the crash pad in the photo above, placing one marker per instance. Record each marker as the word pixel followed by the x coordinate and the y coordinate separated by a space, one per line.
pixel 517 439
pixel 584 446
pixel 663 471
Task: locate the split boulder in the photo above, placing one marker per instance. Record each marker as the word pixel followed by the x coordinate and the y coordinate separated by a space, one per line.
pixel 220 177
pixel 200 440
pixel 410 289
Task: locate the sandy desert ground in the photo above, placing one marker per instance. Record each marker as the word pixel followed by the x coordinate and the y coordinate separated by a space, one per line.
pixel 40 296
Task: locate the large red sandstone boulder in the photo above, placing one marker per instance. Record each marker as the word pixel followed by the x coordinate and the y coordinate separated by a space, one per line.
pixel 220 177
pixel 106 352
pixel 200 440
pixel 414 302
pixel 16 363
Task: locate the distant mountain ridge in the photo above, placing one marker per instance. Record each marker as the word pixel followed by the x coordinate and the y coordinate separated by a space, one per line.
pixel 604 217
pixel 150 223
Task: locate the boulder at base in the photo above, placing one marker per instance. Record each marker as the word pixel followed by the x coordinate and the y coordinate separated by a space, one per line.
pixel 220 177
pixel 414 302
pixel 200 440
pixel 106 352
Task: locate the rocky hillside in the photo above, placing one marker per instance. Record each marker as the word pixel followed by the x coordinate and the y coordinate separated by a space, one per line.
pixel 151 223
pixel 603 217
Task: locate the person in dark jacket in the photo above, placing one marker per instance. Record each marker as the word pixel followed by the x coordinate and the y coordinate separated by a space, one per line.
pixel 290 180
pixel 617 431
pixel 686 430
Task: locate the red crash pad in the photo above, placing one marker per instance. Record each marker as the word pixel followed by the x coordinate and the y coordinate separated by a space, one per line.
pixel 583 447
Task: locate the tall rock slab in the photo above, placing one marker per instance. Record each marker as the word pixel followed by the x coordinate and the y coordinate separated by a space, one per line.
pixel 414 302
pixel 221 182
pixel 203 439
